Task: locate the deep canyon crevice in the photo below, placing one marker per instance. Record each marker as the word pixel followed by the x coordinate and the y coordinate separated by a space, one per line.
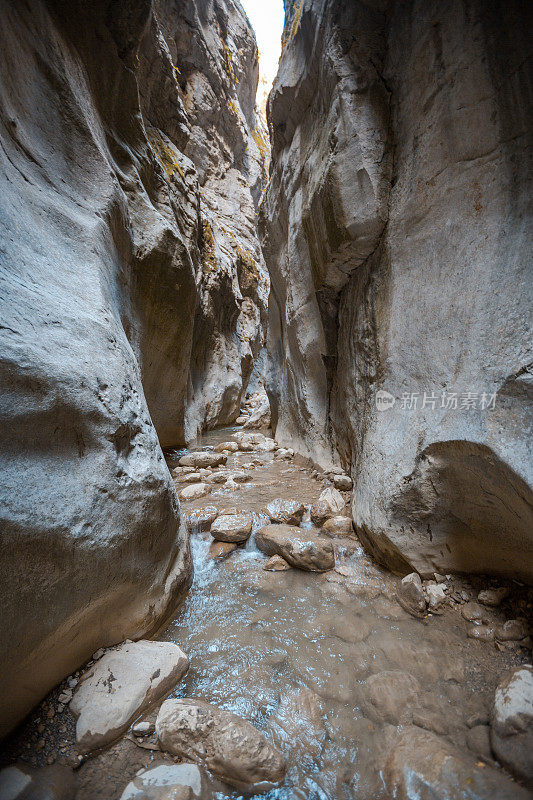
pixel 165 252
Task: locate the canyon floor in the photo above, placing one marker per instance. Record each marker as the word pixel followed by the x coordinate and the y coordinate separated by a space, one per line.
pixel 326 665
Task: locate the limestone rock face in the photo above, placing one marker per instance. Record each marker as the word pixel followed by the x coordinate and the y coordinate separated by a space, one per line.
pixel 394 229
pixel 213 50
pixel 121 260
pixel 94 265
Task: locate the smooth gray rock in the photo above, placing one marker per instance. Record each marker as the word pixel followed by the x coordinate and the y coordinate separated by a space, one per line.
pixel 94 358
pixel 123 684
pixel 300 548
pixel 512 723
pixel 227 745
pixel 195 492
pixel 213 46
pixel 395 229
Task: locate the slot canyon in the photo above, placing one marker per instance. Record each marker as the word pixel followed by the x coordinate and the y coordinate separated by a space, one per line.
pixel 266 400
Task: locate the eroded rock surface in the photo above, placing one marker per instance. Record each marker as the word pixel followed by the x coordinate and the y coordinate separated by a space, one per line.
pixel 213 49
pixel 298 547
pixel 120 686
pixel 395 232
pixel 95 261
pixel 169 782
pixel 232 528
pixel 512 723
pixel 229 746
pixel 424 765
pixel 133 295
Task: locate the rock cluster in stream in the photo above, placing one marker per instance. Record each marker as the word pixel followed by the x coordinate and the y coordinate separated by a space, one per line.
pixel 395 232
pixel 132 305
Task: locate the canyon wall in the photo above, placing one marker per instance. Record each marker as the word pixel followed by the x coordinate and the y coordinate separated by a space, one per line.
pixel 215 58
pixel 396 229
pixel 119 262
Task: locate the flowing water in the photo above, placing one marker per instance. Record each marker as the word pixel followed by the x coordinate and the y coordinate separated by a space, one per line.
pixel 327 665
pixel 292 651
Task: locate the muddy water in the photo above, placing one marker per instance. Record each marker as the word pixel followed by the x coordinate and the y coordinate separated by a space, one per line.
pixel 293 652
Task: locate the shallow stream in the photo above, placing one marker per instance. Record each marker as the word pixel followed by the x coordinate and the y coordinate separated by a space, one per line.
pixel 292 651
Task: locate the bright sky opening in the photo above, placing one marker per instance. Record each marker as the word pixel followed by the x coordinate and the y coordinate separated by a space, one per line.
pixel 267 18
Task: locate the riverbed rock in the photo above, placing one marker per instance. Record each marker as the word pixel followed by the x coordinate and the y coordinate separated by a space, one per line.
pixel 512 630
pixel 276 564
pixel 227 447
pixel 338 526
pixel 381 173
pixel 342 482
pixel 168 782
pixel 388 693
pixel 423 765
pixel 22 782
pixel 329 504
pixel 232 528
pixel 284 454
pixel 267 445
pixel 201 519
pixel 474 612
pixel 436 596
pixel 218 477
pixel 410 595
pixel 203 459
pixel 121 686
pixel 493 597
pixel 512 723
pixel 484 633
pixel 219 549
pixel 195 492
pixel 300 548
pixel 192 477
pixel 287 512
pixel 227 745
pixel 239 477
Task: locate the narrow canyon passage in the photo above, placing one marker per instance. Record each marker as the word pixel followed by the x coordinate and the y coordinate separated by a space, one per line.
pixel 266 400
